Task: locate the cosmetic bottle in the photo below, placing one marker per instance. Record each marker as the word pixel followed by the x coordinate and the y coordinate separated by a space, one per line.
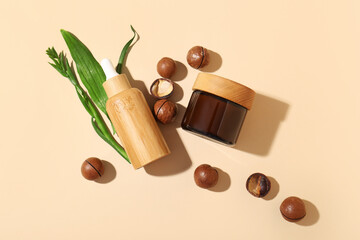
pixel 217 108
pixel 132 118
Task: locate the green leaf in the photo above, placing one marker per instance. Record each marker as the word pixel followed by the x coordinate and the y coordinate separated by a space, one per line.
pixel 84 102
pixel 89 70
pixel 51 52
pixel 71 72
pixel 124 51
pixel 61 64
pixel 97 129
pixel 61 71
pixel 117 147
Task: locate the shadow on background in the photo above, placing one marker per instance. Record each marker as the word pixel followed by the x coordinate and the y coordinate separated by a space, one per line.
pixel 215 62
pixel 178 93
pixel 312 214
pixel 141 86
pixel 178 161
pixel 180 73
pixel 109 173
pixel 274 189
pixel 261 124
pixel 180 115
pixel 223 183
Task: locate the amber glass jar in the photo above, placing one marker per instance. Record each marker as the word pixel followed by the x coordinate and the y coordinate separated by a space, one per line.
pixel 217 108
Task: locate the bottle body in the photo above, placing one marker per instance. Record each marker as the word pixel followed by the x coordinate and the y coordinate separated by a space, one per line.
pixel 136 127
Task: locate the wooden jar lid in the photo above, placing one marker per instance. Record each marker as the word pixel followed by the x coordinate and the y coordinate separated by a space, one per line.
pixel 225 88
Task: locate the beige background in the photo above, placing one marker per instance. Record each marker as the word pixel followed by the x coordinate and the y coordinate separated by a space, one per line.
pixel 302 57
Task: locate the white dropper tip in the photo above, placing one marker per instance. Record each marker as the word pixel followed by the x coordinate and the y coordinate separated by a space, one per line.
pixel 108 68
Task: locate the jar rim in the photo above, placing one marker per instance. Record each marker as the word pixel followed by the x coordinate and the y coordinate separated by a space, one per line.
pixel 225 88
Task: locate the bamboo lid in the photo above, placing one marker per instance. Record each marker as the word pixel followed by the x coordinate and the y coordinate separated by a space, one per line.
pixel 225 88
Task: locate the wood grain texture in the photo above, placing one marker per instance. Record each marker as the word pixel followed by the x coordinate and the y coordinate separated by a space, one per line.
pixel 136 127
pixel 116 84
pixel 225 88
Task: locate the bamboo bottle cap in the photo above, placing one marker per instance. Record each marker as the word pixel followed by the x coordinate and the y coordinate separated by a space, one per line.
pixel 225 88
pixel 116 84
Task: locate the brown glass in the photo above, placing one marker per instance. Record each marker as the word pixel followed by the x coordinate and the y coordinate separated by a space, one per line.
pixel 213 117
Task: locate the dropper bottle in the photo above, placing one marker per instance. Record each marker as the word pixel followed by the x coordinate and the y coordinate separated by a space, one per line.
pixel 132 118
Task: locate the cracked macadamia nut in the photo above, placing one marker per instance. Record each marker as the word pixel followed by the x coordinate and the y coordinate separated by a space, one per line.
pixel 162 88
pixel 198 57
pixel 92 168
pixel 165 111
pixel 166 67
pixel 206 176
pixel 293 209
pixel 258 185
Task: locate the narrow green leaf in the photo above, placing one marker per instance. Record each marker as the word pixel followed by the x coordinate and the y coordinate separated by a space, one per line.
pixel 58 69
pixel 98 131
pixel 111 142
pixel 84 103
pixel 51 52
pixel 71 72
pixel 124 51
pixel 89 70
